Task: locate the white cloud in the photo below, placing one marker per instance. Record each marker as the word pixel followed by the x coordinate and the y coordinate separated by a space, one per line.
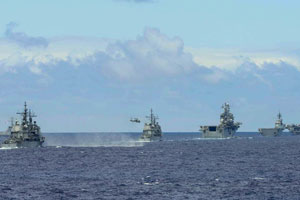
pixel 151 55
pixel 68 49
pixel 231 59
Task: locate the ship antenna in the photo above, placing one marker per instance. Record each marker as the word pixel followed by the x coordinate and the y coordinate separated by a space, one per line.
pixel 12 121
pixel 30 117
pixel 279 115
pixel 151 116
pixel 24 114
pixel 226 107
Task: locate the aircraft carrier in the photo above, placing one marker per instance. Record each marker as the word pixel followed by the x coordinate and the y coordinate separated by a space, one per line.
pixel 24 134
pixel 276 131
pixel 227 127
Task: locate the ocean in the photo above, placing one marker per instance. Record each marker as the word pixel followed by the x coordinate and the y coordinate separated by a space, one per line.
pixel 182 166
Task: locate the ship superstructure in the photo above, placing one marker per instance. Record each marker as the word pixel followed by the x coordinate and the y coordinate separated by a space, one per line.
pixel 227 127
pixel 294 128
pixel 277 130
pixel 152 130
pixel 24 134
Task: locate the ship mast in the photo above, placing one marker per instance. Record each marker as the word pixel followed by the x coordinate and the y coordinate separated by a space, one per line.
pixel 31 115
pixel 226 108
pixel 11 121
pixel 152 117
pixel 24 114
pixel 279 115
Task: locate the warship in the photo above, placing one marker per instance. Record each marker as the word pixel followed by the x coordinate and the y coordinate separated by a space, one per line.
pixel 294 128
pixel 276 131
pixel 24 134
pixel 152 130
pixel 227 127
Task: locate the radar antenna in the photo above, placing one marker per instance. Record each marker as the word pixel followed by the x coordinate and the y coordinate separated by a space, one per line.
pixel 24 114
pixel 279 115
pixel 226 107
pixel 152 117
pixel 31 115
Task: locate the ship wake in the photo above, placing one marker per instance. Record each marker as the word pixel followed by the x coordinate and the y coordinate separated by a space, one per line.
pixel 91 140
pixel 8 148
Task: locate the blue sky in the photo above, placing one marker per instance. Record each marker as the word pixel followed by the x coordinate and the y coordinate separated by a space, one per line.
pixel 91 65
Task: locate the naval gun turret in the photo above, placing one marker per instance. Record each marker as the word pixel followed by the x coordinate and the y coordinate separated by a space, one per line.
pixel 277 130
pixel 24 134
pixel 227 127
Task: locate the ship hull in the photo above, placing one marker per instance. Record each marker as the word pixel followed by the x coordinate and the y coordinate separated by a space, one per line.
pixel 150 139
pixel 295 132
pixel 270 132
pixel 216 132
pixel 24 144
pixel 151 132
pixel 217 135
pixel 294 129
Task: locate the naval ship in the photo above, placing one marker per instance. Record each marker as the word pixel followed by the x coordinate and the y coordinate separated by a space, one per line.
pixel 25 134
pixel 227 127
pixel 294 128
pixel 152 130
pixel 276 131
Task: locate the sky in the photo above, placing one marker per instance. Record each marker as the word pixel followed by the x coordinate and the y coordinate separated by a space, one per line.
pixel 89 66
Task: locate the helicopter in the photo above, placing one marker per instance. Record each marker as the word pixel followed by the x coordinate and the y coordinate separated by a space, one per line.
pixel 135 120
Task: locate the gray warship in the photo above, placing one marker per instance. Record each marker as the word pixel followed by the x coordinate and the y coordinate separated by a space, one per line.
pixel 152 130
pixel 294 128
pixel 227 127
pixel 26 134
pixel 276 131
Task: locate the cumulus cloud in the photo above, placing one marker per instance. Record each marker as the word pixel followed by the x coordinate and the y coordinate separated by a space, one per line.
pixel 231 59
pixel 23 39
pixel 215 76
pixel 153 53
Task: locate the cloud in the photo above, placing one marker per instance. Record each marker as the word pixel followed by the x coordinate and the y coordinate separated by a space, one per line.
pixel 215 76
pixel 152 54
pixel 231 59
pixel 22 39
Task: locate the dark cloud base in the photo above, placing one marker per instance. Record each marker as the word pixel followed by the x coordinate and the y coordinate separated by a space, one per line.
pixel 22 38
